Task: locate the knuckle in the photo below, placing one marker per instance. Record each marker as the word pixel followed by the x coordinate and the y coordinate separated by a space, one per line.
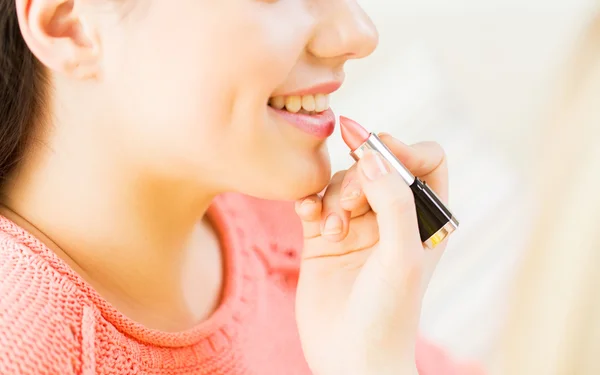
pixel 437 149
pixel 350 174
pixel 435 145
pixel 338 176
pixel 330 196
pixel 430 156
pixel 442 152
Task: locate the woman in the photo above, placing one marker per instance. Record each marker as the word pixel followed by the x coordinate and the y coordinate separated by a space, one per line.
pixel 133 134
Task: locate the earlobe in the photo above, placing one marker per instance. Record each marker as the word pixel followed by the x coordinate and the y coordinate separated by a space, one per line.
pixel 57 33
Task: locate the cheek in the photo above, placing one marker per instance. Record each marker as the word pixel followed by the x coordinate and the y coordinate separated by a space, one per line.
pixel 272 48
pixel 190 92
pixel 173 98
pixel 266 60
pixel 205 67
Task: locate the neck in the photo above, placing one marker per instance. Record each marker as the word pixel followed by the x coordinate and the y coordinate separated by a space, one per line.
pixel 125 231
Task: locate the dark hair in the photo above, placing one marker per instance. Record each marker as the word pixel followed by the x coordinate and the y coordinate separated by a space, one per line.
pixel 23 86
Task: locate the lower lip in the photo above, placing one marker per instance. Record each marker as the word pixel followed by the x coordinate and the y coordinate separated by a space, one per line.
pixel 320 125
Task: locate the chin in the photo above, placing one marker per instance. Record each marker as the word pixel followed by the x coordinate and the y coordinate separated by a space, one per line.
pixel 299 190
pixel 302 182
pixel 308 179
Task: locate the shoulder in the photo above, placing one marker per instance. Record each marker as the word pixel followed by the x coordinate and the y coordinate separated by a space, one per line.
pixel 39 316
pixel 274 225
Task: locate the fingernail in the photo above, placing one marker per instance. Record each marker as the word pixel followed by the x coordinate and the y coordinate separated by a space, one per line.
pixel 351 191
pixel 308 202
pixel 373 166
pixel 333 225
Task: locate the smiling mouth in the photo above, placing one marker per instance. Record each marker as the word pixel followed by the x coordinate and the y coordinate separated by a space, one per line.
pixel 305 104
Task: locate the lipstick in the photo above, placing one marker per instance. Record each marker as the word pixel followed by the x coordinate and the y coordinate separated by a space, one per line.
pixel 436 222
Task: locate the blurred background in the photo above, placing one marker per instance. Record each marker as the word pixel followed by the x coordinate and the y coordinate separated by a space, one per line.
pixel 473 75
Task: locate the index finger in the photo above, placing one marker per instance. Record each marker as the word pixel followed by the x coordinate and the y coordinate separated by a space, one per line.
pixel 425 160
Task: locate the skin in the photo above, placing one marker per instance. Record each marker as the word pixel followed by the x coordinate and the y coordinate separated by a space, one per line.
pixel 157 113
pixel 361 288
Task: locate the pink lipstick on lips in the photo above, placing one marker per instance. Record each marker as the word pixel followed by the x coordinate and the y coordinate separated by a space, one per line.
pixel 320 125
pixel 436 222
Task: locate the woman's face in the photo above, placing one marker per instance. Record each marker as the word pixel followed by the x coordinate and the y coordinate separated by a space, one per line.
pixel 189 84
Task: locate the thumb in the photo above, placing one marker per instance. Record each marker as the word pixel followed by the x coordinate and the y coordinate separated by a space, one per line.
pixel 392 200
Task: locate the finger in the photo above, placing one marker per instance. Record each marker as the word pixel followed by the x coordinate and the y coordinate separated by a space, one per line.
pixel 309 208
pixel 426 160
pixel 352 198
pixel 309 211
pixel 334 218
pixel 362 235
pixel 393 202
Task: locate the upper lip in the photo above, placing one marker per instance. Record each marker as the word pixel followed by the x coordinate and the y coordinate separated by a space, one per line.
pixel 321 88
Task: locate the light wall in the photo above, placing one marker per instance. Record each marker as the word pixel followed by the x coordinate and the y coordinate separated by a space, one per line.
pixel 474 75
pixel 498 55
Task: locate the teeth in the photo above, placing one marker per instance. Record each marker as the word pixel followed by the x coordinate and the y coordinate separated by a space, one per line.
pixel 321 102
pixel 293 103
pixel 309 103
pixel 277 102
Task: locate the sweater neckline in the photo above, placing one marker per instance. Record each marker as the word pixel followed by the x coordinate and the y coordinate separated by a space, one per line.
pixel 215 332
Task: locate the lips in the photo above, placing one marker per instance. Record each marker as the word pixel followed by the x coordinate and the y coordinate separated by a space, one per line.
pixel 307 109
pixel 320 125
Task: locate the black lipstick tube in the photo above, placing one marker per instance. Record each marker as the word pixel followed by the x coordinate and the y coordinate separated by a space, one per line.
pixel 436 222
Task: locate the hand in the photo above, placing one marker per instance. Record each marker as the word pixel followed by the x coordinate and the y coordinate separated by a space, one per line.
pixel 364 269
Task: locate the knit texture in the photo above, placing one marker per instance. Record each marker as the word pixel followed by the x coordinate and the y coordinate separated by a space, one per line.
pixel 53 322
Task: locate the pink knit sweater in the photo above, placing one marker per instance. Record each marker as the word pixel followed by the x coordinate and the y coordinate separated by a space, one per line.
pixel 53 322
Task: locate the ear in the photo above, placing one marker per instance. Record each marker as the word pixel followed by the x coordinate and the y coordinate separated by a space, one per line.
pixel 58 35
